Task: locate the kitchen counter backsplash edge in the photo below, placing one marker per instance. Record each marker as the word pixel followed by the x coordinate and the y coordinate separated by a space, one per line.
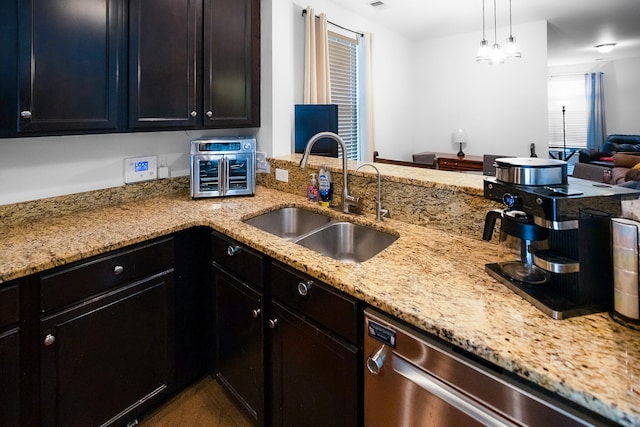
pixel 51 207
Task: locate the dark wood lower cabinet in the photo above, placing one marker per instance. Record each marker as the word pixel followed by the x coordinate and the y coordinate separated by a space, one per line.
pixel 240 343
pixel 10 377
pixel 314 374
pixel 109 358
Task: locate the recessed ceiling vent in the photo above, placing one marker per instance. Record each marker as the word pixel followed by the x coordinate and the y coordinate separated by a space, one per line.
pixel 376 4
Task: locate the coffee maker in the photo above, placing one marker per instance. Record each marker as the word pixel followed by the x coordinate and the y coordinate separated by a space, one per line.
pixel 562 263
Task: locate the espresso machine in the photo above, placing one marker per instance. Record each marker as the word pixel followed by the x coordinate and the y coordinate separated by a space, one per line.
pixel 555 232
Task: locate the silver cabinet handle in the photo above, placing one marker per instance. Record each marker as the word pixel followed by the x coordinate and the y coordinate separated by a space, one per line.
pixel 233 250
pixel 118 269
pixel 49 339
pixel 272 323
pixel 376 360
pixel 25 114
pixel 304 288
pixel 256 313
pixel 194 113
pixel 209 113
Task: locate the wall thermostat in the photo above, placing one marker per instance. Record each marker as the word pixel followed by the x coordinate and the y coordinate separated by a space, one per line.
pixel 139 169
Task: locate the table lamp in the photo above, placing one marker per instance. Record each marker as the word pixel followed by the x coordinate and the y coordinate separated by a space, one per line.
pixel 460 137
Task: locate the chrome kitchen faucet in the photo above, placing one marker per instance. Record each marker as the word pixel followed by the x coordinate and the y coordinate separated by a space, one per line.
pixel 347 199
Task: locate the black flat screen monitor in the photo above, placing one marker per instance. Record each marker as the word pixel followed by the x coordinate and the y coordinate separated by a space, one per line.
pixel 311 119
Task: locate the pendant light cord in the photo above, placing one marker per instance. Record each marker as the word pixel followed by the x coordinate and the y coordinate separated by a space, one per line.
pixel 483 36
pixel 495 24
pixel 510 29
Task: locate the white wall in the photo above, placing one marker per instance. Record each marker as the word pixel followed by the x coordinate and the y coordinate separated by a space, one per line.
pixel 502 107
pixel 622 96
pixel 34 168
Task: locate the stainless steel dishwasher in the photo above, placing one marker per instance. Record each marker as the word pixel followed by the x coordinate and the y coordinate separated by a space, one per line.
pixel 410 379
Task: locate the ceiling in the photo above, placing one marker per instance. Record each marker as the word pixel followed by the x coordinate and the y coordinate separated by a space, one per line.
pixel 575 26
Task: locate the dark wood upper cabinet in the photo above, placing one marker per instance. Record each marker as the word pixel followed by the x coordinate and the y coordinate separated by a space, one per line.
pixel 232 63
pixel 194 64
pixel 68 62
pixel 165 51
pixel 99 66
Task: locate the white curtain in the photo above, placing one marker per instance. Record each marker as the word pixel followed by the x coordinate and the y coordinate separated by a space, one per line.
pixel 365 98
pixel 317 81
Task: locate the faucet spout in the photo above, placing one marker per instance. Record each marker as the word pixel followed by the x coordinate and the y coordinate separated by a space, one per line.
pixel 380 213
pixel 347 199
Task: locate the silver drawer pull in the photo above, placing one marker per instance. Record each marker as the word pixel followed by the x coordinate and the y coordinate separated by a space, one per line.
pixel 193 114
pixel 272 323
pixel 25 114
pixel 304 288
pixel 118 269
pixel 256 313
pixel 49 339
pixel 233 250
pixel 209 114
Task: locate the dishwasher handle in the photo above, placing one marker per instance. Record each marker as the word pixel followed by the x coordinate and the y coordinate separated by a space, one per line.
pixel 448 394
pixel 376 360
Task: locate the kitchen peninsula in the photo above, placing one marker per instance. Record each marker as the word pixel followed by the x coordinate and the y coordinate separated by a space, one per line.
pixel 431 277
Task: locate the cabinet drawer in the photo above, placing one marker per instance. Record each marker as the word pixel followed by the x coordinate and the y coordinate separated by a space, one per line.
pixel 316 300
pixel 8 305
pixel 237 258
pixel 91 277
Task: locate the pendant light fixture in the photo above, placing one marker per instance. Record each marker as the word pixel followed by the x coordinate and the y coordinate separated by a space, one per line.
pixel 483 51
pixel 495 54
pixel 513 48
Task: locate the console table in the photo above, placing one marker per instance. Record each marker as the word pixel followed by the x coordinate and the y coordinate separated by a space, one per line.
pixel 451 162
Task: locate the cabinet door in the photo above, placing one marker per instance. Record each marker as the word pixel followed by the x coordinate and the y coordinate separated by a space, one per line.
pixel 68 64
pixel 239 343
pixel 232 63
pixel 10 377
pixel 108 359
pixel 164 59
pixel 10 368
pixel 314 374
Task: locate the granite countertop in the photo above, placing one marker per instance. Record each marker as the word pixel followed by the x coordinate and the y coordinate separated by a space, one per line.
pixel 432 279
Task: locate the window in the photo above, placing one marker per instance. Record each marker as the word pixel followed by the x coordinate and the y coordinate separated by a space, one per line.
pixel 567 91
pixel 343 64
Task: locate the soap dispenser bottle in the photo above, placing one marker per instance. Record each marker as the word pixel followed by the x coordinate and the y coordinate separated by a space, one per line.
pixel 312 190
pixel 324 188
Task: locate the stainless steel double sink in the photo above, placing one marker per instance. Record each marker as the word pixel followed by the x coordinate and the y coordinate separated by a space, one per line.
pixel 340 240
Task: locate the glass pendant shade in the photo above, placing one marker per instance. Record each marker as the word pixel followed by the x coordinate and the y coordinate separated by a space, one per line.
pixel 497 55
pixel 484 51
pixel 513 48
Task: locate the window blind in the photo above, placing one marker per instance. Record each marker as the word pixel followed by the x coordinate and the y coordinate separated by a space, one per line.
pixel 343 64
pixel 569 91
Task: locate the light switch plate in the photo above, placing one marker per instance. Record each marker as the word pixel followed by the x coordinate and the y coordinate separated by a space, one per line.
pixel 137 169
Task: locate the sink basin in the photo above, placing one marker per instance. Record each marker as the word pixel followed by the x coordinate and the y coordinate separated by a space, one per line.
pixel 289 223
pixel 347 242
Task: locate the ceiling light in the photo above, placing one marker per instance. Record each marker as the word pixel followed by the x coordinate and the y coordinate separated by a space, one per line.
pixel 496 54
pixel 606 47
